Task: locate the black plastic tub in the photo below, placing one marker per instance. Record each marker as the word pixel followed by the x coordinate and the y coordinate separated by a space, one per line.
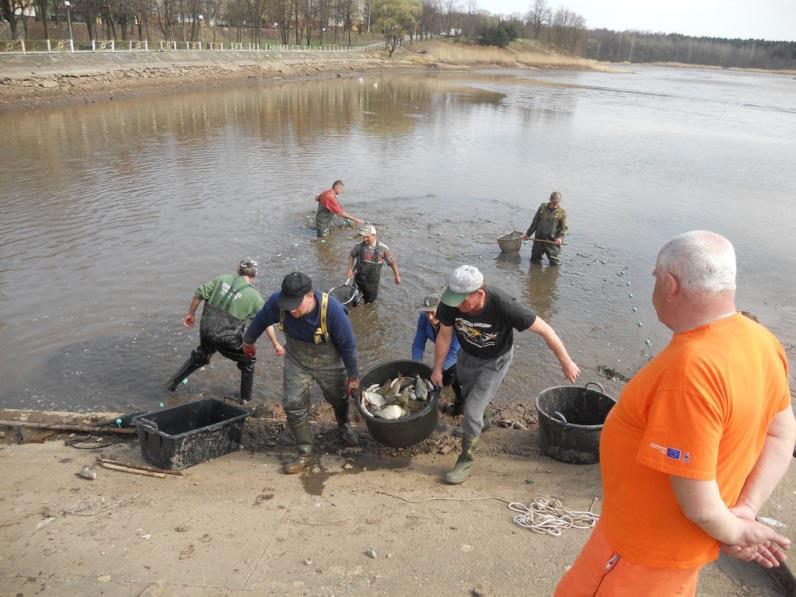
pixel 181 436
pixel 570 421
pixel 406 431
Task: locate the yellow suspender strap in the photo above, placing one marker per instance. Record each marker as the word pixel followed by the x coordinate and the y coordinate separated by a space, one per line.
pixel 282 319
pixel 324 309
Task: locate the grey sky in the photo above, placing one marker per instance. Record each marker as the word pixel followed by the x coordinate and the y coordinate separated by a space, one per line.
pixel 761 19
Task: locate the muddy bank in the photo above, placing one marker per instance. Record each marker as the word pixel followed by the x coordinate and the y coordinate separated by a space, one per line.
pixel 47 80
pixel 363 521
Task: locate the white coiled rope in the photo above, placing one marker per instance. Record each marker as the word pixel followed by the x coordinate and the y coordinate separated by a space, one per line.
pixel 546 515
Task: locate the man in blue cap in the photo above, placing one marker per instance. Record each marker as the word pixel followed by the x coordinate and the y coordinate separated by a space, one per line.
pixel 484 320
pixel 320 347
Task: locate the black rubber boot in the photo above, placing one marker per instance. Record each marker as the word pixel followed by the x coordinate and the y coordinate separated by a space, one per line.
pixel 302 434
pixel 187 368
pixel 458 405
pixel 461 471
pixel 246 385
pixel 347 434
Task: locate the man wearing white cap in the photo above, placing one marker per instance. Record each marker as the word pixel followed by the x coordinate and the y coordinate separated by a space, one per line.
pixel 484 320
pixel 366 260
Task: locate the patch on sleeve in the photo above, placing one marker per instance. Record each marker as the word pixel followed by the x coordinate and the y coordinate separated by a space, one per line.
pixel 673 453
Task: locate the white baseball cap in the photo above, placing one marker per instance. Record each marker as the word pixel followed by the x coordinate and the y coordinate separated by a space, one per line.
pixel 461 282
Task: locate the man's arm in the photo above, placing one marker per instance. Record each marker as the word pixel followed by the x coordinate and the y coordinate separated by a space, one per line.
pixel 554 343
pixel 441 347
pixel 278 348
pixel 396 273
pixel 350 273
pixel 562 228
pixel 190 316
pixel 700 502
pixel 532 227
pixel 772 464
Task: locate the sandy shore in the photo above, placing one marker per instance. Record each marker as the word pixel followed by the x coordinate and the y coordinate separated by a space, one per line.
pixel 44 80
pixel 237 526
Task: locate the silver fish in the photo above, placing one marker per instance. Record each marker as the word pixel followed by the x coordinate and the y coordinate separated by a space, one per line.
pixel 391 411
pixel 420 388
pixel 373 399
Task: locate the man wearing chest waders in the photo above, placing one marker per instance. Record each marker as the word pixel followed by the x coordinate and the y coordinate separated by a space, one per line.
pixel 319 347
pixel 366 260
pixel 230 301
pixel 484 319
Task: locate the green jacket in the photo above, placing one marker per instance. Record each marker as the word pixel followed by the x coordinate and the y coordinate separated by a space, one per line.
pixel 549 224
pixel 242 304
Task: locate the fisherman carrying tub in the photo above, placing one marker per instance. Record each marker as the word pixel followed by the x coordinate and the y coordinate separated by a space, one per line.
pixel 319 347
pixel 484 319
pixel 427 329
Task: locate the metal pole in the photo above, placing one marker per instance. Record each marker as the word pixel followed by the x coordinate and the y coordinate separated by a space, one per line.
pixel 69 20
pixel 48 44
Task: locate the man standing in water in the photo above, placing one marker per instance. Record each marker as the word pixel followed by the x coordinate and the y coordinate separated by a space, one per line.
pixel 697 442
pixel 329 207
pixel 230 301
pixel 484 320
pixel 550 226
pixel 320 347
pixel 366 260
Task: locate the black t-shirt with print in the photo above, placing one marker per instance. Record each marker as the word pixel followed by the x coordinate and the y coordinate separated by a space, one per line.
pixel 488 334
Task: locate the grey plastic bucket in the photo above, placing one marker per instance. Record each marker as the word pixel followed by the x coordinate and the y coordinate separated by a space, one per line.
pixel 570 421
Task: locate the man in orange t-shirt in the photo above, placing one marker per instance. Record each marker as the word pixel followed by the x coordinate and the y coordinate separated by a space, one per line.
pixel 697 442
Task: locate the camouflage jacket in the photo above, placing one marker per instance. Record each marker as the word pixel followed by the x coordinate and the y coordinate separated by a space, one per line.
pixel 549 224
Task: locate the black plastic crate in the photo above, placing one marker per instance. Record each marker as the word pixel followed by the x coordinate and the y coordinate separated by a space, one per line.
pixel 181 436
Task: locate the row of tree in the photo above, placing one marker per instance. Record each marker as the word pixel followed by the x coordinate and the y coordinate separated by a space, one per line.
pixel 627 46
pixel 304 22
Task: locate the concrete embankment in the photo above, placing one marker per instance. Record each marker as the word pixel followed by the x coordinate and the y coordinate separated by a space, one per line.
pixel 33 80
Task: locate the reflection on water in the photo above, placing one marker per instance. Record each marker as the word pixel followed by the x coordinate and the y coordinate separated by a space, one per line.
pixel 114 212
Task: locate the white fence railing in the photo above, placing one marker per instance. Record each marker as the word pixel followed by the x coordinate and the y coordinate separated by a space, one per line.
pixel 21 46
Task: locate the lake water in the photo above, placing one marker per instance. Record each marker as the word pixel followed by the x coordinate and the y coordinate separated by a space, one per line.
pixel 113 213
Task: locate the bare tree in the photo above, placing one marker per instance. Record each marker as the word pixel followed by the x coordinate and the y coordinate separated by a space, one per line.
pixel 539 17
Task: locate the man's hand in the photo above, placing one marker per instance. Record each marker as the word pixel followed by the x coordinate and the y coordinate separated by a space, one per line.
pixel 526 237
pixel 350 274
pixel 759 543
pixel 571 371
pixel 249 350
pixel 397 279
pixel 436 377
pixel 351 384
pixel 558 241
pixel 279 349
pixel 189 320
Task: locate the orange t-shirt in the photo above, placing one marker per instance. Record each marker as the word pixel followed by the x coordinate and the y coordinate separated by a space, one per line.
pixel 699 410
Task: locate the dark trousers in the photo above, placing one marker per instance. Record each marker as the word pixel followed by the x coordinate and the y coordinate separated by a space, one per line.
pixel 368 280
pixel 201 357
pixel 552 251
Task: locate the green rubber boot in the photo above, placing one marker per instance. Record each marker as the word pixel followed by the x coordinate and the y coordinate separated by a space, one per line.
pixel 302 433
pixel 489 422
pixel 459 473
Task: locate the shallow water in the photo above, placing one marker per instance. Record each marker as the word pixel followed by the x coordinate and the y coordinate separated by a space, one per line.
pixel 113 213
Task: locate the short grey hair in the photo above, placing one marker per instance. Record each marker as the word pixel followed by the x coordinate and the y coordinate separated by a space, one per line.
pixel 703 261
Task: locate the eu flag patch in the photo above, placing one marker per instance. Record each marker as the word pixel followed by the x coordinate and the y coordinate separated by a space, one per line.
pixel 673 453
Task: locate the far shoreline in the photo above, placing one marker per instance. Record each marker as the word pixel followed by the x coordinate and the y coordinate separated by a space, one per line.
pixel 32 82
